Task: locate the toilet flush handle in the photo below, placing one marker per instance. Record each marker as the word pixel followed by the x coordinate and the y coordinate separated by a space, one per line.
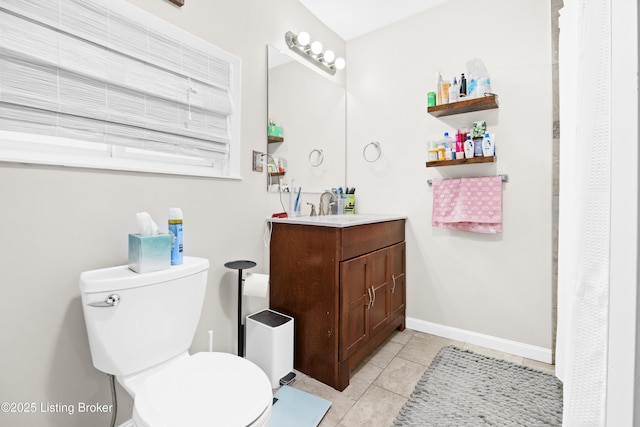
pixel 111 301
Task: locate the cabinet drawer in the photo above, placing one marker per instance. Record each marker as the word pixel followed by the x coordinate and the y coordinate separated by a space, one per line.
pixel 362 239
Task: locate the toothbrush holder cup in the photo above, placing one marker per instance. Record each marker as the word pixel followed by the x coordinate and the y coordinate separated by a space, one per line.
pixel 349 203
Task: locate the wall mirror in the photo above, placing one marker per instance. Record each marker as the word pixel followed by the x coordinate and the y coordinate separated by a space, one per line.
pixel 311 110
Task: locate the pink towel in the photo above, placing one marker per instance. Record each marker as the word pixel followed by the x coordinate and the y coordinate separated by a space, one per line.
pixel 468 204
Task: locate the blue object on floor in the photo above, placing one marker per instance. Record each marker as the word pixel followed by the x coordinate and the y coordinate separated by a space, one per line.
pixel 296 408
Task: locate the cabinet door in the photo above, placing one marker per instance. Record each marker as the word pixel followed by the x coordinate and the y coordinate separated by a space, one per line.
pixel 397 279
pixel 379 284
pixel 354 303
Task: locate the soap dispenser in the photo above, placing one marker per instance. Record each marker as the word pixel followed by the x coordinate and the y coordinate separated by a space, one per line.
pixel 468 147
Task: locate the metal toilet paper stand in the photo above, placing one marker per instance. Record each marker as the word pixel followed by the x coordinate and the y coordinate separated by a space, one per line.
pixel 240 265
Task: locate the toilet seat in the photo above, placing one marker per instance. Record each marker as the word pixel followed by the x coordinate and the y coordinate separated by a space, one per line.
pixel 206 389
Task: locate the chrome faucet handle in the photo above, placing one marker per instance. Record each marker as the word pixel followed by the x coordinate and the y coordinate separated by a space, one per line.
pixel 313 209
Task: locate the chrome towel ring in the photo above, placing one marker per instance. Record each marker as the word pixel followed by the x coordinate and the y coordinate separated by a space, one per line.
pixel 376 146
pixel 319 158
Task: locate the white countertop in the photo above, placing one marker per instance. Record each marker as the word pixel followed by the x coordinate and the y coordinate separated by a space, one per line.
pixel 338 220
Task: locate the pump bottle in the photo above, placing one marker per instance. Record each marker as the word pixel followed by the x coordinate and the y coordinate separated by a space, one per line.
pixel 487 146
pixel 469 147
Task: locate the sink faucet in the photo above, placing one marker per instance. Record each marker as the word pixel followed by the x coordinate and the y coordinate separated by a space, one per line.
pixel 313 209
pixel 321 210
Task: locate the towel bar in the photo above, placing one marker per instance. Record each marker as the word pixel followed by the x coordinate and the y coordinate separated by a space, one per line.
pixel 505 178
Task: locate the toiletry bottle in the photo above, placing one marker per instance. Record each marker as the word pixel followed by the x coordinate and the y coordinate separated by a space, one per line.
pixel 438 88
pixel 431 99
pixel 463 86
pixel 454 91
pixel 484 86
pixel 468 147
pixel 432 152
pixel 472 87
pixel 477 147
pixel 487 146
pixel 449 146
pixel 445 92
pixel 459 145
pixel 175 228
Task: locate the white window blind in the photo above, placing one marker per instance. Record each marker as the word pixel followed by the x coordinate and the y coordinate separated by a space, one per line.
pixel 107 74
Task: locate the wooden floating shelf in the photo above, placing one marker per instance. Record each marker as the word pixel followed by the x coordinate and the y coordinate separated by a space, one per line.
pixel 275 139
pixel 468 105
pixel 276 173
pixel 472 160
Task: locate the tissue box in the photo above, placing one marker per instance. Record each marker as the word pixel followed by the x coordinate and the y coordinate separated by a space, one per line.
pixel 479 129
pixel 276 131
pixel 149 253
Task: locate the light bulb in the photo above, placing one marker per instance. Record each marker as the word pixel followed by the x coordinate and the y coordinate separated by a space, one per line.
pixel 303 38
pixel 329 56
pixel 316 47
pixel 340 64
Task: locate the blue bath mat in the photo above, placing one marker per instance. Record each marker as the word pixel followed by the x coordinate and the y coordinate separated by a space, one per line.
pixel 296 408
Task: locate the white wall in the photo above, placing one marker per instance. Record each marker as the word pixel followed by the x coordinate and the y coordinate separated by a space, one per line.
pixel 58 222
pixel 492 289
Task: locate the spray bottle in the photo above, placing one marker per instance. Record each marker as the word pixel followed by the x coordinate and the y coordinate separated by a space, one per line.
pixel 175 228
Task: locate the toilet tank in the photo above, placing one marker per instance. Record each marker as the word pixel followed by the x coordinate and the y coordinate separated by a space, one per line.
pixel 155 319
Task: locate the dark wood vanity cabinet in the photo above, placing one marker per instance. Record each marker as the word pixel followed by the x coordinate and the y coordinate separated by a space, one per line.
pixel 345 288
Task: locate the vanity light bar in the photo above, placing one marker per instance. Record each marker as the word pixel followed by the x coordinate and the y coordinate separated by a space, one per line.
pixel 312 52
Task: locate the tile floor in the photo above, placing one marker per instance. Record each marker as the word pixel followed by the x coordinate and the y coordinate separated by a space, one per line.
pixel 383 382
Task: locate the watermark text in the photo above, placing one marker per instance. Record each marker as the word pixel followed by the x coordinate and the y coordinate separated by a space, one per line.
pixel 55 407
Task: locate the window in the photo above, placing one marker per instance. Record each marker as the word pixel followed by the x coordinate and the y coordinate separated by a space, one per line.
pixel 104 84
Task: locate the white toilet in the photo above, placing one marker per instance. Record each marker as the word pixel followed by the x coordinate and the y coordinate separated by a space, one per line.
pixel 140 327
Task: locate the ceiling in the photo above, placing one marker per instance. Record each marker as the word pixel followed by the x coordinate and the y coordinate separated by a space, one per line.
pixel 353 18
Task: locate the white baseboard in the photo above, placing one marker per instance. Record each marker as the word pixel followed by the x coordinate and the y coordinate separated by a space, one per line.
pixel 500 344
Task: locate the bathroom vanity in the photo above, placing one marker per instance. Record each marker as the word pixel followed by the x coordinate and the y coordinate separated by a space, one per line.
pixel 342 278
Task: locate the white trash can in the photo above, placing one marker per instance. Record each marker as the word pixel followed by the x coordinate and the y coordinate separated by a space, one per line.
pixel 270 343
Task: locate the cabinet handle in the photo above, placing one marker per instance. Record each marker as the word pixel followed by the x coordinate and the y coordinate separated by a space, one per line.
pixel 373 292
pixel 370 303
pixel 393 288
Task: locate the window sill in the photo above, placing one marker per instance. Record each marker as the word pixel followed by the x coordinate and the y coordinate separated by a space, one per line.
pixel 29 149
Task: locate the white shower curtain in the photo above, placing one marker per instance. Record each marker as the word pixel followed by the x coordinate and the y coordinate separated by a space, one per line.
pixel 584 232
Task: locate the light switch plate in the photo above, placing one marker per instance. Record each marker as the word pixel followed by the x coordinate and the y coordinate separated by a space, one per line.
pixel 258 161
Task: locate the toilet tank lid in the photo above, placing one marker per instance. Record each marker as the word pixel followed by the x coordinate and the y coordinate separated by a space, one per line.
pixel 121 277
